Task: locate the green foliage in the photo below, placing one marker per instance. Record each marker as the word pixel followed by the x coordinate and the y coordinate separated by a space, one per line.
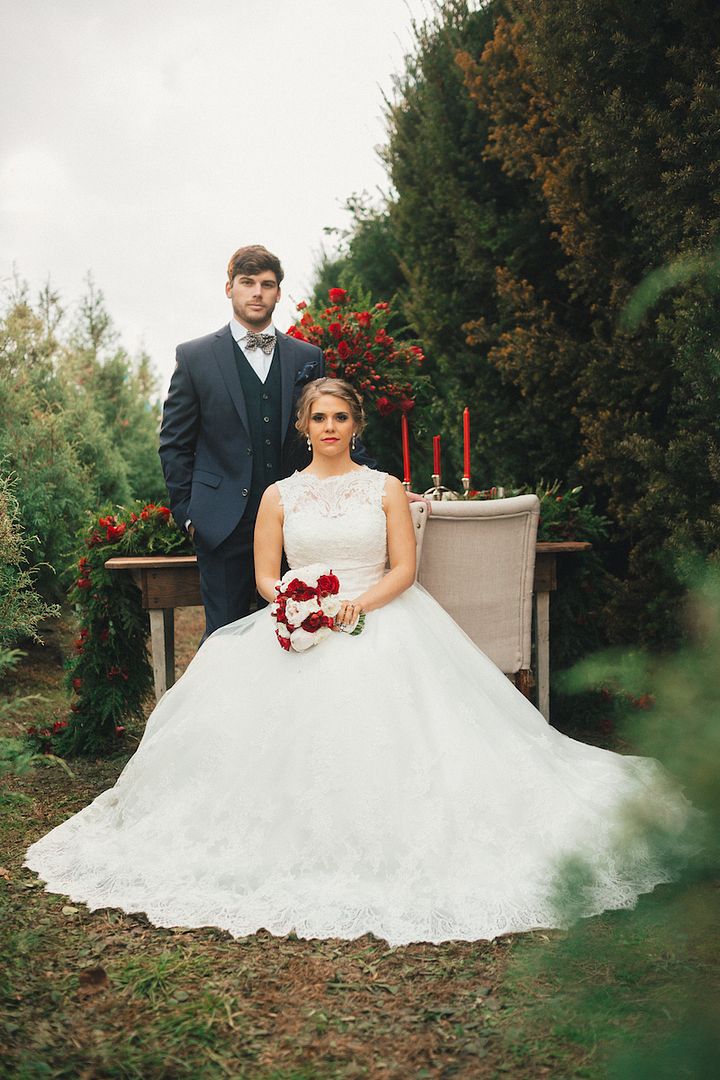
pixel 553 215
pixel 21 608
pixel 78 427
pixel 366 257
pixel 110 673
pixel 599 970
pixel 610 123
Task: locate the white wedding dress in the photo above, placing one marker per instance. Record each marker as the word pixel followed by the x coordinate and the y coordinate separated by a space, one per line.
pixel 394 782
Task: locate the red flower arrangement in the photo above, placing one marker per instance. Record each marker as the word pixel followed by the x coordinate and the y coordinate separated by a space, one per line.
pixel 358 347
pixel 109 674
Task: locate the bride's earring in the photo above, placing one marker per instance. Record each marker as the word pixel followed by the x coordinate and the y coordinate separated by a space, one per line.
pixel 309 443
pixel 352 443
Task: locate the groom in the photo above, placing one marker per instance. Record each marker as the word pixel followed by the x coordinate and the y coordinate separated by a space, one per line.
pixel 228 431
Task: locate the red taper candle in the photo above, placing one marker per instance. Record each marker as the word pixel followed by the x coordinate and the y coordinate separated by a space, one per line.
pixel 405 448
pixel 436 455
pixel 466 443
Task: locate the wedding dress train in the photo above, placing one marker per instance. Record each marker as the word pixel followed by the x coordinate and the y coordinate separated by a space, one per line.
pixel 394 782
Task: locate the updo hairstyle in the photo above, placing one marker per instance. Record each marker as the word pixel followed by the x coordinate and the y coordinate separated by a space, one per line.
pixel 337 388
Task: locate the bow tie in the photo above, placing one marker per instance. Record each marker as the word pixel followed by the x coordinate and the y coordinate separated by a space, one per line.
pixel 266 342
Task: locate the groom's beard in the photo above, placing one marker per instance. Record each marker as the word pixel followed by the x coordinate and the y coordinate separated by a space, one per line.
pixel 256 318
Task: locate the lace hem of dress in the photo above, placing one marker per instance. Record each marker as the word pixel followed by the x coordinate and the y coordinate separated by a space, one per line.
pixel 283 906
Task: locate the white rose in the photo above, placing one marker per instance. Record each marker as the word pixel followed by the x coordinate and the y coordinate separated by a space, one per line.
pixel 300 639
pixel 330 606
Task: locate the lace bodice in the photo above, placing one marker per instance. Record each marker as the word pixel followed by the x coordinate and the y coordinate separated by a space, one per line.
pixel 337 521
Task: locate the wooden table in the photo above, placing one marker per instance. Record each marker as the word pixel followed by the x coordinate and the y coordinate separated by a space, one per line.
pixel 168 582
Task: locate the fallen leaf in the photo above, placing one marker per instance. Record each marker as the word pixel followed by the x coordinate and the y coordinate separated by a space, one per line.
pixel 4 873
pixel 68 910
pixel 92 981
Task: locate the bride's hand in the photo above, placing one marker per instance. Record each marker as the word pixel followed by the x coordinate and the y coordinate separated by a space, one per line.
pixel 348 614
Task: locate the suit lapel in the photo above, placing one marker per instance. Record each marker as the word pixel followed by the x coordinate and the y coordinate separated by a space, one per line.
pixel 225 358
pixel 284 347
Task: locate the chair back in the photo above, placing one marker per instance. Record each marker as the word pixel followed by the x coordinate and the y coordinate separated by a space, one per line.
pixel 478 560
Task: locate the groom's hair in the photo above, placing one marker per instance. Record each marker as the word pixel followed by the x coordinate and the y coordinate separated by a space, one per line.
pixel 253 259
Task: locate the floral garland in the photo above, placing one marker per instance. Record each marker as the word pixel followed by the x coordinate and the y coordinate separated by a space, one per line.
pixel 357 347
pixel 109 673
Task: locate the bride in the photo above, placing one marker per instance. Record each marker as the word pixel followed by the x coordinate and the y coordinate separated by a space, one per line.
pixel 340 791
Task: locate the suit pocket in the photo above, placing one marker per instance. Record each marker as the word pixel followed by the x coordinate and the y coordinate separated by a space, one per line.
pixel 209 478
pixel 307 373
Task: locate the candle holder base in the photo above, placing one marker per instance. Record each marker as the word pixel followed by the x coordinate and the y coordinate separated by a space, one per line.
pixel 466 487
pixel 407 485
pixel 438 493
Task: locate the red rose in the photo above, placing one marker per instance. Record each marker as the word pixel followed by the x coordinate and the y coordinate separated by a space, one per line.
pixel 328 585
pixel 32 730
pixel 364 318
pixel 407 405
pixel 84 583
pixel 335 329
pixel 292 331
pixel 382 306
pixel 59 725
pixel 313 622
pixel 301 305
pixel 284 641
pixel 114 532
pixel 119 730
pixel 343 350
pixel 337 296
pixel 385 406
pixel 298 590
pixel 77 683
pixel 133 518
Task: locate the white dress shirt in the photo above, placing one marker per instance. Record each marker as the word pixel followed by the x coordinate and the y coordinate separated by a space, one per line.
pixel 258 360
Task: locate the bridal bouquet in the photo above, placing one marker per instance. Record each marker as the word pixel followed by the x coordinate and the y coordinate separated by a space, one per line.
pixel 305 609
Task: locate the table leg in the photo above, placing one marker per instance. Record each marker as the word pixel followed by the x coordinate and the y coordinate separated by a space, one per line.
pixel 162 639
pixel 542 625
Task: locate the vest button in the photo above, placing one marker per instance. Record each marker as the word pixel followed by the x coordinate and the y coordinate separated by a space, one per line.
pixel 245 492
pixel 268 465
pixel 266 397
pixel 249 452
pixel 266 419
pixel 268 442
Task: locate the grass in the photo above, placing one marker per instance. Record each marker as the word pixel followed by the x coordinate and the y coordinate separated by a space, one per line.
pixel 105 994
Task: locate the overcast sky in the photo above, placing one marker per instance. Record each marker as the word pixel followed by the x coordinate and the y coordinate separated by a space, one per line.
pixel 145 141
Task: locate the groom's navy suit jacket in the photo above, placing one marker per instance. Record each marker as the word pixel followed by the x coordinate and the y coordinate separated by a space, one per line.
pixel 205 444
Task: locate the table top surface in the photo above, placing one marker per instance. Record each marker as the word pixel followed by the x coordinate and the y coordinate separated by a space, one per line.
pixel 160 562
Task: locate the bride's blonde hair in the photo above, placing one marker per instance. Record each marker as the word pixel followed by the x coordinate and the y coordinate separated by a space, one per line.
pixel 335 388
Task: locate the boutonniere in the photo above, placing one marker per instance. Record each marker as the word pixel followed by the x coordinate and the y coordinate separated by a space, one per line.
pixel 307 373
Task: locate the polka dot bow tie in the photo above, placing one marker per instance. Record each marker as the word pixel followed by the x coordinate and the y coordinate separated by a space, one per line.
pixel 266 342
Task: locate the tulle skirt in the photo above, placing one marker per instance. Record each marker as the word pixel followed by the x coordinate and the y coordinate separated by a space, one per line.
pixel 395 782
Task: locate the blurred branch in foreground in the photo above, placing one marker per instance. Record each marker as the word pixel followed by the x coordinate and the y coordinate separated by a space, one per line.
pixel 639 989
